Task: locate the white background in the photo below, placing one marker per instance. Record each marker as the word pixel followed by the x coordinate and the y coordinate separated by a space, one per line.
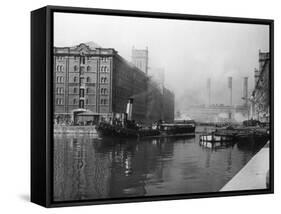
pixel 15 106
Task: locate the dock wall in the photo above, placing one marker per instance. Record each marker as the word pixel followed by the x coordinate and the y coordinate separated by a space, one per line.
pixel 253 174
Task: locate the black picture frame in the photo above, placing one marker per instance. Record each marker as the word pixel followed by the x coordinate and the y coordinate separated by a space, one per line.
pixel 42 103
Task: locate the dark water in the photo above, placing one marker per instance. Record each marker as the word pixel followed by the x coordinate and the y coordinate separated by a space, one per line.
pixel 90 168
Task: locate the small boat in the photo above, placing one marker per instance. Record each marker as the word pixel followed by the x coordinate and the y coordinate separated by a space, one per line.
pixel 216 138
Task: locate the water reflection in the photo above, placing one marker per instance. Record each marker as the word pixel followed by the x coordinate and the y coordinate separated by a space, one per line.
pixel 86 167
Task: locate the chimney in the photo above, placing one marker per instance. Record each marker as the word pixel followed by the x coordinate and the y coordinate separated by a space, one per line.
pixel 129 108
pixel 230 90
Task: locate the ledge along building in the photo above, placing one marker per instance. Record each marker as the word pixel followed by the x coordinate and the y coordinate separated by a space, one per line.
pixel 93 84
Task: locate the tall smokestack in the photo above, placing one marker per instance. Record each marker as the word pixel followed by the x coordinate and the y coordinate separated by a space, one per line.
pixel 209 90
pixel 129 108
pixel 245 90
pixel 230 90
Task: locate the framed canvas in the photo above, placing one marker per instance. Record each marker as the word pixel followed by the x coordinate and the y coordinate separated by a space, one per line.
pixel 131 106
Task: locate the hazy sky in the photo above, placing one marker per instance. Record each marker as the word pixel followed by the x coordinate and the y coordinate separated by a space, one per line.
pixel 189 51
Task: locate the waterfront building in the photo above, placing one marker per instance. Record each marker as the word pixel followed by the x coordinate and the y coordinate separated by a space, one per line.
pixel 260 96
pixel 93 84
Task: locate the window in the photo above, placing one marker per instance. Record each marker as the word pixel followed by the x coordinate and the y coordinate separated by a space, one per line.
pixel 103 80
pixel 82 92
pixel 88 79
pixel 103 91
pixel 61 68
pixel 59 79
pixel 75 67
pixel 87 102
pixel 75 57
pixel 81 103
pixel 75 79
pixel 74 90
pixel 82 59
pixel 59 90
pixel 87 91
pixel 59 101
pixel 103 101
pixel 74 101
pixel 88 68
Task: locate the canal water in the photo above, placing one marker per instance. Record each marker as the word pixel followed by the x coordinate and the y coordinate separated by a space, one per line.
pixel 88 167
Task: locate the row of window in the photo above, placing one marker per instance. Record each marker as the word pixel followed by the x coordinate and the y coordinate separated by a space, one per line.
pixel 60 68
pixel 59 101
pixel 75 90
pixel 104 59
pixel 60 79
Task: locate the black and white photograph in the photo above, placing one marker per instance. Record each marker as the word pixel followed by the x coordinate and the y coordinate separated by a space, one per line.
pixel 147 107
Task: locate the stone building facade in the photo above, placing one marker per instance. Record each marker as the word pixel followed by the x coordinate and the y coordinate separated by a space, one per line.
pixel 92 84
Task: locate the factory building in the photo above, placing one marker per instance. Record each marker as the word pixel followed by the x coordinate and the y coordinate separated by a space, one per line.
pixel 93 84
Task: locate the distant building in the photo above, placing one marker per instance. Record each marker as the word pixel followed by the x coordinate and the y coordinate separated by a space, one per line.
pixel 92 84
pixel 140 59
pixel 217 113
pixel 260 96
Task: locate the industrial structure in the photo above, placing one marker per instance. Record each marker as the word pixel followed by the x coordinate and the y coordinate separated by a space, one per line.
pixel 93 84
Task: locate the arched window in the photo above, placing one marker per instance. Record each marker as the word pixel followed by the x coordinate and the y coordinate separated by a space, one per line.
pixel 75 67
pixel 105 69
pixel 88 79
pixel 61 79
pixel 105 102
pixel 101 69
pixel 88 68
pixel 105 91
pixel 75 79
pixel 57 68
pixel 61 68
pixel 74 101
pixel 87 90
pixel 101 101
